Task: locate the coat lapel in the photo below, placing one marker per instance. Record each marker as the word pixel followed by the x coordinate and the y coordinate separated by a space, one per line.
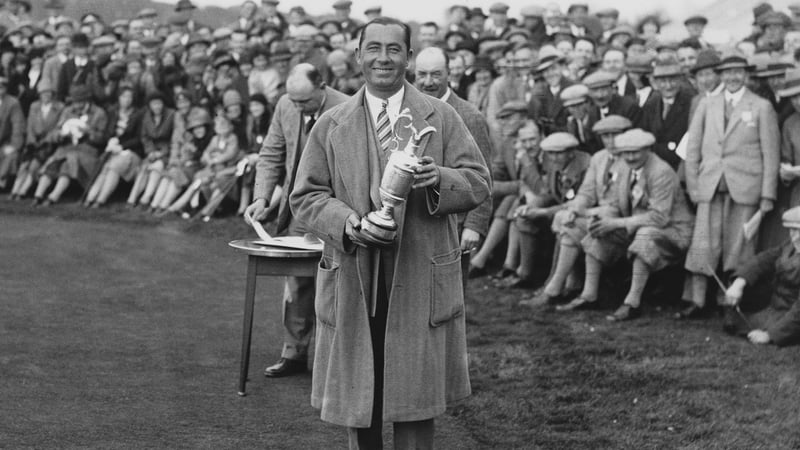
pixel 349 144
pixel 745 104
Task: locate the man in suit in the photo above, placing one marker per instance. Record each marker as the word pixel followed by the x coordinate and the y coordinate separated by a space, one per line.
pixel 514 85
pixel 606 102
pixel 52 65
pixel 652 224
pixel 79 69
pixel 431 69
pixel 545 106
pixel 613 62
pixel 306 99
pixel 12 133
pixel 391 338
pixel 706 77
pixel 666 114
pixel 350 26
pixel 732 160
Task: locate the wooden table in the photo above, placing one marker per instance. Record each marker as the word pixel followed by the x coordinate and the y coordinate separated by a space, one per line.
pixel 269 261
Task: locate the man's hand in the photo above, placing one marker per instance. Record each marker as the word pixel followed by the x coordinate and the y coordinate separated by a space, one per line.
pixel 759 337
pixel 734 293
pixel 766 205
pixel 257 211
pixel 427 174
pixel 470 240
pixel 600 226
pixel 352 229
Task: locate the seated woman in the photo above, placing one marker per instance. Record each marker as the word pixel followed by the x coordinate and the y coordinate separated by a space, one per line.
pixel 42 118
pixel 777 317
pixel 652 224
pixel 123 151
pixel 219 160
pixel 156 136
pixel 257 127
pixel 184 154
pixel 78 137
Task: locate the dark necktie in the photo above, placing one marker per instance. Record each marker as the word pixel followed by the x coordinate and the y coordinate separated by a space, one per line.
pixel 310 124
pixel 728 111
pixel 665 110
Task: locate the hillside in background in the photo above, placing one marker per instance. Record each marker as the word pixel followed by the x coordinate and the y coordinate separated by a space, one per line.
pixel 126 9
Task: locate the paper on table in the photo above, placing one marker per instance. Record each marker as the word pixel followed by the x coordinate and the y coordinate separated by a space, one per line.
pixel 750 227
pixel 260 231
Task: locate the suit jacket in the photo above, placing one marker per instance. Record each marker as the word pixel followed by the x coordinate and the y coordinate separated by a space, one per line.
pixel 425 346
pixel 478 219
pixel 623 106
pixel 670 130
pixel 157 137
pixel 558 186
pixel 597 188
pixel 746 152
pixel 12 123
pixel 659 202
pixel 280 153
pixel 69 74
pixel 547 109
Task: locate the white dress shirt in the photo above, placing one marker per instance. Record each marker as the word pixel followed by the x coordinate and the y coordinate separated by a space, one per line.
pixel 392 109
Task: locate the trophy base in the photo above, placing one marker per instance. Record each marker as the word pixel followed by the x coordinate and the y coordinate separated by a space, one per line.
pixel 378 232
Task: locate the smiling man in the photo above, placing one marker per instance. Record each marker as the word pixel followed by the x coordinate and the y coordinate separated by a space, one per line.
pixel 432 78
pixel 391 339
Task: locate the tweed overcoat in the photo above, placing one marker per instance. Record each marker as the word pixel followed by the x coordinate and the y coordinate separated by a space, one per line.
pixel 425 342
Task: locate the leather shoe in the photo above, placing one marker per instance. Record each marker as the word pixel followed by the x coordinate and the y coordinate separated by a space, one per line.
pixel 286 367
pixel 691 312
pixel 476 272
pixel 576 303
pixel 623 313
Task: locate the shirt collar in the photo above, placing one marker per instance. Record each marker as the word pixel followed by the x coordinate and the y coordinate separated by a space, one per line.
pixel 446 95
pixel 734 97
pixel 621 84
pixel 716 90
pixel 392 109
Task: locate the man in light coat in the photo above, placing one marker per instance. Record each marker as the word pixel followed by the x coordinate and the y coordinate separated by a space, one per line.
pixel 391 338
pixel 306 99
pixel 732 161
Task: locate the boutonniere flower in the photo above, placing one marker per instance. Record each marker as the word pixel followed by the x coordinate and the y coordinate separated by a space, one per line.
pixel 747 116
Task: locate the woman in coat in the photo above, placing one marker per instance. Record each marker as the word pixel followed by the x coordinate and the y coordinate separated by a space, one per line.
pixel 42 119
pixel 257 127
pixel 78 136
pixel 777 316
pixel 123 151
pixel 157 125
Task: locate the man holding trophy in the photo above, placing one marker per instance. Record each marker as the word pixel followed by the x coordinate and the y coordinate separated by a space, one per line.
pixel 380 181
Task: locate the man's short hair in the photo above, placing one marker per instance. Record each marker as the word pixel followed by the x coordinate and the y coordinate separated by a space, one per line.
pixel 311 73
pixel 387 21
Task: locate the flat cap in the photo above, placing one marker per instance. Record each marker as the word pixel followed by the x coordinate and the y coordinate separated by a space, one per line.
pixel 634 139
pixel 197 39
pixel 667 69
pixel 791 218
pixel 342 4
pixel 706 59
pixel 696 19
pixel 639 63
pixel 221 33
pixel 120 23
pixel 178 19
pixel 547 57
pixel 500 8
pixel 373 10
pixel 270 2
pixel 516 31
pixel 147 13
pixel 608 12
pixel 791 84
pixel 532 11
pixel 621 29
pixel 599 79
pixel 612 124
pixel 574 95
pixel 225 59
pixel 774 18
pixel 185 5
pixel 305 31
pixel 103 40
pixel 477 11
pixel 558 142
pixel 151 42
pixel 509 108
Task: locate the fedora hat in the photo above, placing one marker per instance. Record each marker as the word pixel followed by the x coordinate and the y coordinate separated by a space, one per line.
pixel 791 84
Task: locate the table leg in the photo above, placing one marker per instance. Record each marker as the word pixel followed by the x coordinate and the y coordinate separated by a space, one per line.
pixel 247 326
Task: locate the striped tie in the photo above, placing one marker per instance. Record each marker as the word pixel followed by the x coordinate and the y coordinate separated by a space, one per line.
pixel 384 127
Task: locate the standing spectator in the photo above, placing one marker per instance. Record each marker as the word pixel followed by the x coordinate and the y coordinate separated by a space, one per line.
pixel 614 64
pixel 706 77
pixel 666 114
pixel 695 26
pixel 732 161
pixel 79 69
pixel 350 26
pixel 306 99
pixel 515 85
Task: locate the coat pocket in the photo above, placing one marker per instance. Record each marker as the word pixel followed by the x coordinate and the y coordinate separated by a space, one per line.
pixel 447 295
pixel 327 290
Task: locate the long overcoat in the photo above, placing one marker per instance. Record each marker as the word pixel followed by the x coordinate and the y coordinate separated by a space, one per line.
pixel 425 342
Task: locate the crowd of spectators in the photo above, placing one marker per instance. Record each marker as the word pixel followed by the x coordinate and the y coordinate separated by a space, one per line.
pixel 605 146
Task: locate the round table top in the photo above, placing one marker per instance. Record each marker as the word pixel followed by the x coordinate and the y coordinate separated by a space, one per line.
pixel 248 246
